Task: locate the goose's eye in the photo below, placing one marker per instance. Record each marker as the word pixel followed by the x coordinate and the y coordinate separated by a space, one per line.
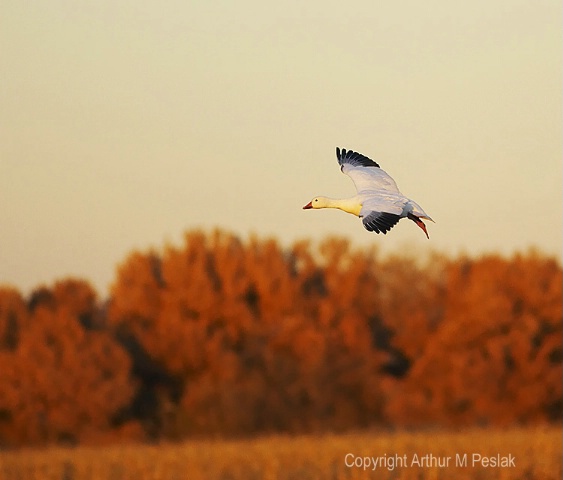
pixel 316 199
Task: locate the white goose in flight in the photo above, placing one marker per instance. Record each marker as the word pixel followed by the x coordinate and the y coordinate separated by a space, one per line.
pixel 379 203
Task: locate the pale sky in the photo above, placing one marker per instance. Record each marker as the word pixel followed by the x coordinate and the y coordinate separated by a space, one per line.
pixel 124 124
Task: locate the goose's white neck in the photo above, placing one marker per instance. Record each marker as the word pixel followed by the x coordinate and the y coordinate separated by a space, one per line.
pixel 348 205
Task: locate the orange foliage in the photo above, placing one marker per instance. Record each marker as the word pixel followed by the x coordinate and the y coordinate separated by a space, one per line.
pixel 496 355
pixel 61 380
pixel 225 337
pixel 13 318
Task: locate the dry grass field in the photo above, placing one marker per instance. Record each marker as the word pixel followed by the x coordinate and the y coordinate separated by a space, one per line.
pixel 527 453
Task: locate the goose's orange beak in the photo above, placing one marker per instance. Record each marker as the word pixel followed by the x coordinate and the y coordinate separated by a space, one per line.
pixel 308 206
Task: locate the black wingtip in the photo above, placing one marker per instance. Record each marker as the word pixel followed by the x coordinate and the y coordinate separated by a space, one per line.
pixel 354 158
pixel 380 222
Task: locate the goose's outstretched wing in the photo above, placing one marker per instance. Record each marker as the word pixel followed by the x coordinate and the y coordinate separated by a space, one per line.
pixel 380 222
pixel 367 175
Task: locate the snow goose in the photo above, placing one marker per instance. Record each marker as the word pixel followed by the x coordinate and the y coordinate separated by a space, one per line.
pixel 379 203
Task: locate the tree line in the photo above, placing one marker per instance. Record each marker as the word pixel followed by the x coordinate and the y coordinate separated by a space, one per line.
pixel 225 337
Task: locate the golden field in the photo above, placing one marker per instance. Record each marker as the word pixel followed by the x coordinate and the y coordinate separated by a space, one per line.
pixel 536 454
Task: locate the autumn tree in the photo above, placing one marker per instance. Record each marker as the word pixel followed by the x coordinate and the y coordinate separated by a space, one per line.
pixel 262 338
pixel 61 382
pixel 13 318
pixel 496 356
pixel 220 336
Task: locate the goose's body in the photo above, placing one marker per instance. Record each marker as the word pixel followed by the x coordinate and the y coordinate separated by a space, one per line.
pixel 379 203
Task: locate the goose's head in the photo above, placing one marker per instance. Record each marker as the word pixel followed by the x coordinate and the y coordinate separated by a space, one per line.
pixel 317 202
